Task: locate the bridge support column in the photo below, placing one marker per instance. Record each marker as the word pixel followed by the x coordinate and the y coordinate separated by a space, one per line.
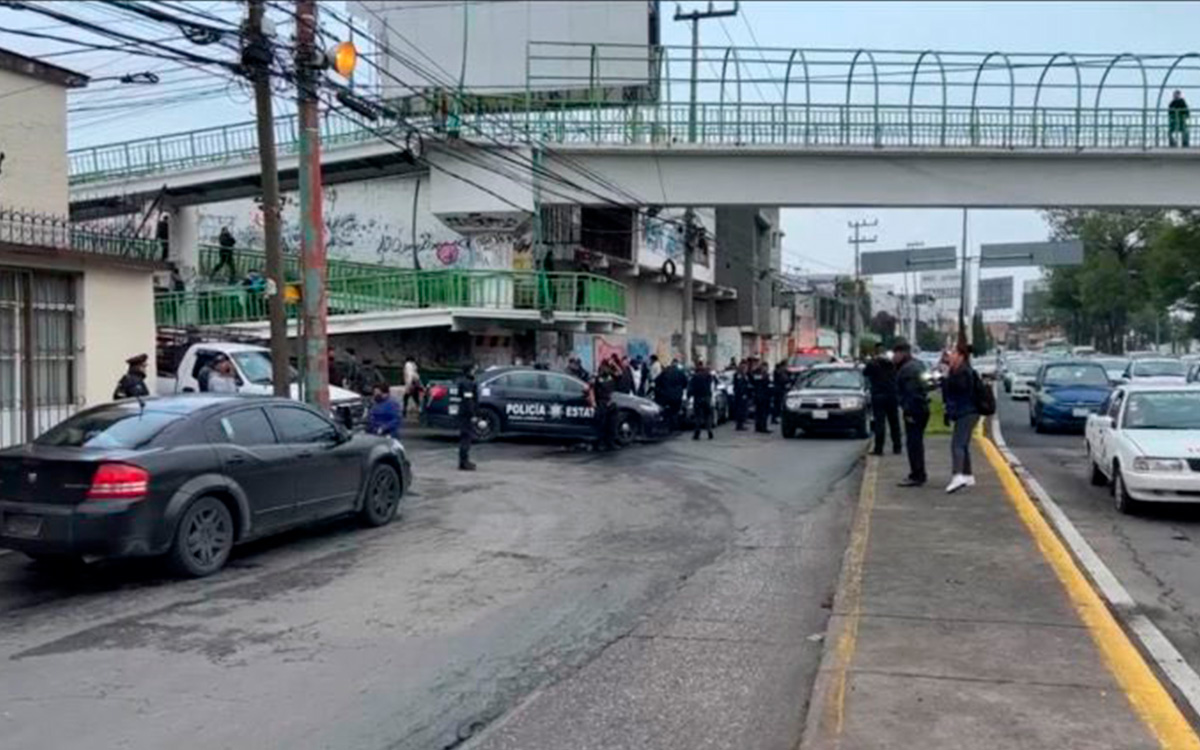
pixel 185 243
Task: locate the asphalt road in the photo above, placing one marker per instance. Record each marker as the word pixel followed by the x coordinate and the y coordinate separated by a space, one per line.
pixel 1154 554
pixel 669 596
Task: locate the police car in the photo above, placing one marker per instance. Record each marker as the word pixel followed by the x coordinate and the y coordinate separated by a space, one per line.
pixel 528 401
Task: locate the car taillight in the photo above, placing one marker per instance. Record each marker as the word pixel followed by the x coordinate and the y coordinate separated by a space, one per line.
pixel 438 392
pixel 119 482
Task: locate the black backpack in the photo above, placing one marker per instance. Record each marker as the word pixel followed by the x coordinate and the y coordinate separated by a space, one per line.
pixel 985 396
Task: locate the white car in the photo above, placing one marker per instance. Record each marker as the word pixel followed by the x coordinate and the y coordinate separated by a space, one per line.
pixel 1020 377
pixel 1145 444
pixel 1156 370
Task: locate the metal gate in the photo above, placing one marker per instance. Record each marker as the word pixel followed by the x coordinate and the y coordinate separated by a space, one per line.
pixel 38 374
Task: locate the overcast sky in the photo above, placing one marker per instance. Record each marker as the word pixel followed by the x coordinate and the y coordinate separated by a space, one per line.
pixel 816 239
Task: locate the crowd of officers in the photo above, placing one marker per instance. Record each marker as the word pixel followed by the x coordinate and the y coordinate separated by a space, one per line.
pixel 755 388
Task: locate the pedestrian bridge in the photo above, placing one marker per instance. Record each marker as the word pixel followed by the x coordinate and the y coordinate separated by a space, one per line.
pixel 1059 120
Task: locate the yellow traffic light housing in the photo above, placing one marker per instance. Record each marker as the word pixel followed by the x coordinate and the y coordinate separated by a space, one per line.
pixel 343 58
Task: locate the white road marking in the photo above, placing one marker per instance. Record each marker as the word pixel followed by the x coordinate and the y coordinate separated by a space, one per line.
pixel 1152 641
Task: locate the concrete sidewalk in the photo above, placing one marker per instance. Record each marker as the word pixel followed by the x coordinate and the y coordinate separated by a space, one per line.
pixel 952 630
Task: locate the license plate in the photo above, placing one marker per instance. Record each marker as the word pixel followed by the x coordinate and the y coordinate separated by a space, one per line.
pixel 1081 412
pixel 820 414
pixel 452 409
pixel 25 527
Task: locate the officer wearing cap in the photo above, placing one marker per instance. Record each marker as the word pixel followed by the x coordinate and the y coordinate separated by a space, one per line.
pixel 133 383
pixel 466 397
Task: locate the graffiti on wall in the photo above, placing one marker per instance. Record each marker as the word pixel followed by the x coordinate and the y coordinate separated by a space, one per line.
pixel 359 226
pixel 351 235
pixel 662 237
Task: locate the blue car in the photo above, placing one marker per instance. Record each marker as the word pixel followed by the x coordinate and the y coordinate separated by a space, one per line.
pixel 1066 392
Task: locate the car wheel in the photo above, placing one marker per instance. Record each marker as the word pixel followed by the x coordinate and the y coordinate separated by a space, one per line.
pixel 628 428
pixel 1098 478
pixel 203 539
pixel 486 425
pixel 382 496
pixel 788 429
pixel 1121 499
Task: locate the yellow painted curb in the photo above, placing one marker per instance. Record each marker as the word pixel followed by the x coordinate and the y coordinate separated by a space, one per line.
pixel 851 598
pixel 1150 700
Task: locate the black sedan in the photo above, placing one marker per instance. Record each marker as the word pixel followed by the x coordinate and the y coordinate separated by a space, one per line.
pixel 190 476
pixel 528 401
pixel 828 397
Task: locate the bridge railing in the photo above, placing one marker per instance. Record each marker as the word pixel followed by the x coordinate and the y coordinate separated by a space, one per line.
pixel 197 148
pixel 402 289
pixel 613 94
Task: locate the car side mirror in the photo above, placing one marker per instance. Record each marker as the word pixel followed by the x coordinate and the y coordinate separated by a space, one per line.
pixel 343 435
pixel 1104 420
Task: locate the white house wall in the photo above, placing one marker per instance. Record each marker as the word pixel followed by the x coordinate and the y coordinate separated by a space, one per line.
pixel 117 323
pixel 33 138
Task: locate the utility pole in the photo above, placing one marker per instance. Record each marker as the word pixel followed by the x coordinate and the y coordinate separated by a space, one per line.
pixel 964 333
pixel 858 240
pixel 689 247
pixel 695 17
pixel 691 236
pixel 257 55
pixel 312 221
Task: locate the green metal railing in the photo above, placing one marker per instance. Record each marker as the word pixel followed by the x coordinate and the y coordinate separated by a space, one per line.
pixel 614 94
pixel 251 259
pixel 403 289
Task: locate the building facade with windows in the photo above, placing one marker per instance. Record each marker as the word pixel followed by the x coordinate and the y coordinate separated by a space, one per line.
pixel 73 305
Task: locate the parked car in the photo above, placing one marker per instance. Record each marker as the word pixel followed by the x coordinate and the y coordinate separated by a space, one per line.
pixel 1145 445
pixel 1114 366
pixel 806 358
pixel 1020 376
pixel 1066 392
pixel 828 397
pixel 528 401
pixel 1155 370
pixel 189 477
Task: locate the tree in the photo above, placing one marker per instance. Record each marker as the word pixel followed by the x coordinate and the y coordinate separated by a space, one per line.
pixel 980 340
pixel 928 339
pixel 1094 302
pixel 883 325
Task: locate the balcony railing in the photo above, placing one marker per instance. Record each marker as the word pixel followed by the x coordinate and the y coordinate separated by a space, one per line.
pixel 388 289
pixel 52 231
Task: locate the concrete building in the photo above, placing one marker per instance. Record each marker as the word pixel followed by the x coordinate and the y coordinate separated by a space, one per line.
pixel 73 306
pixel 750 261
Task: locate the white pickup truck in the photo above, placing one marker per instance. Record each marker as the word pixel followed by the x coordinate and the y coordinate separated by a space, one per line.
pixel 253 371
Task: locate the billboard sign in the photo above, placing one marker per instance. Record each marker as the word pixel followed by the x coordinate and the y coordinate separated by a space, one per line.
pixel 996 294
pixel 1015 254
pixel 908 261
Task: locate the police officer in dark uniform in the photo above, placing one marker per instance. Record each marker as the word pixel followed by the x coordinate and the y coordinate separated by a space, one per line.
pixel 880 372
pixel 466 396
pixel 133 383
pixel 781 381
pixel 603 388
pixel 741 395
pixel 760 381
pixel 914 400
pixel 700 388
